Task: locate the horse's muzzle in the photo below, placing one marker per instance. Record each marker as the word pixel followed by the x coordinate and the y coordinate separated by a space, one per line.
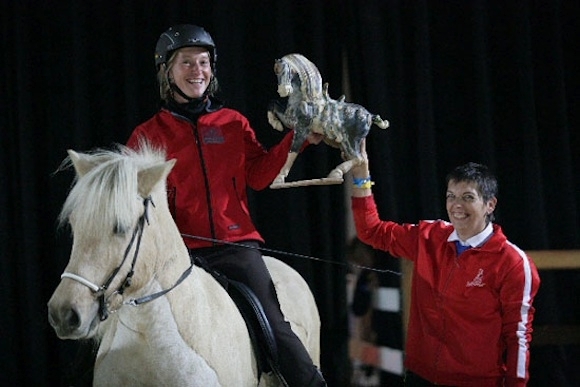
pixel 70 320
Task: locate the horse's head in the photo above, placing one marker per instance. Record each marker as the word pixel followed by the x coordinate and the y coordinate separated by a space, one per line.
pixel 115 196
pixel 284 75
pixel 297 74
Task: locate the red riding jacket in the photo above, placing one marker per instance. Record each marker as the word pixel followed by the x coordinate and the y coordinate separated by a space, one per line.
pixel 217 159
pixel 467 311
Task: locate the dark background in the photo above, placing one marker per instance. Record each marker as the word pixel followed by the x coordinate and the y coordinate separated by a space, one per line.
pixel 495 82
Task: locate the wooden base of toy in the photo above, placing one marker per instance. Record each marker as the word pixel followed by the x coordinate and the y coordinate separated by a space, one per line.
pixel 304 183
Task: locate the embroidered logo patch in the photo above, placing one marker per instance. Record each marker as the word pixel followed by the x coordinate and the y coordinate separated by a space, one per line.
pixel 213 135
pixel 477 281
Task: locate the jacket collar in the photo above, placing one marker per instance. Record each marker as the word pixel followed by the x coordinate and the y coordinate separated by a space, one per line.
pixel 476 240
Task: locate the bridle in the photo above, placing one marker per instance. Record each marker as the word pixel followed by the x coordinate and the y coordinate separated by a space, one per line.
pixel 99 291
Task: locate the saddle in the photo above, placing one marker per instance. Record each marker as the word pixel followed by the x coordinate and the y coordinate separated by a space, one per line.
pixel 261 334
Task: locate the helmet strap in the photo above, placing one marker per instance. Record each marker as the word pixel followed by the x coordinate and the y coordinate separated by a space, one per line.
pixel 181 93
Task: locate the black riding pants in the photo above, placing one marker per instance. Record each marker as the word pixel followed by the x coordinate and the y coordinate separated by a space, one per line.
pixel 245 264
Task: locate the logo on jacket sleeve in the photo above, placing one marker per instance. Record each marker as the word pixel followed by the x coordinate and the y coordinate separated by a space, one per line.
pixel 477 281
pixel 212 135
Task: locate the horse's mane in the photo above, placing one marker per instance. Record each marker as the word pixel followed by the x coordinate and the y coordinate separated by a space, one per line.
pixel 310 78
pixel 105 199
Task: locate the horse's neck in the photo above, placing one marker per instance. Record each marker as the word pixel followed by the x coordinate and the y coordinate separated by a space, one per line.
pixel 180 325
pixel 166 248
pixel 137 335
pixel 166 318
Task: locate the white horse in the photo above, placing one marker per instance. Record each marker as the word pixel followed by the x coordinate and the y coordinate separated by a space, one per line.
pixel 130 284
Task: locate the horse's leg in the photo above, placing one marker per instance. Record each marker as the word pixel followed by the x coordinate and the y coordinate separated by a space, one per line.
pixel 279 180
pixel 274 121
pixel 277 112
pixel 343 168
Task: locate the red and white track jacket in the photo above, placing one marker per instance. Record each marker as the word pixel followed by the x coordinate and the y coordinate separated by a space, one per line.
pixel 217 159
pixel 471 315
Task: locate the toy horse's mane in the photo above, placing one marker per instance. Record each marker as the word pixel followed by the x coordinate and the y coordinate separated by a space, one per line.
pixel 310 78
pixel 105 199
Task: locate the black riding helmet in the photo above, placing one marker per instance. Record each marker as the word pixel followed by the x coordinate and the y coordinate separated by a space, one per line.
pixel 184 35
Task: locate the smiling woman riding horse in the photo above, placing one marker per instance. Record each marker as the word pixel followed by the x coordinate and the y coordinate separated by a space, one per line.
pixel 131 285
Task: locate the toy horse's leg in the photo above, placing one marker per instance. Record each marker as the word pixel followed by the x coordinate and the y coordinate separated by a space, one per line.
pixel 280 179
pixel 343 168
pixel 274 121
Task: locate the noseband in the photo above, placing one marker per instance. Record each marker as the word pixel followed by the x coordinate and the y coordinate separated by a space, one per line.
pixel 99 291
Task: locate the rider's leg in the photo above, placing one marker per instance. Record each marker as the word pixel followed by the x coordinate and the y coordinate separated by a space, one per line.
pixel 246 265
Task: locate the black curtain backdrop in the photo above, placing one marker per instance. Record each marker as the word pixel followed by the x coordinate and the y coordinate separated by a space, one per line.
pixel 492 82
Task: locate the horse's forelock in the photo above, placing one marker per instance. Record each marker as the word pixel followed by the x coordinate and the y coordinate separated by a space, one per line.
pixel 106 199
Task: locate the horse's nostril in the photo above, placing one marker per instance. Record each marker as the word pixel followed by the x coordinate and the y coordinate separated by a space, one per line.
pixel 65 320
pixel 72 319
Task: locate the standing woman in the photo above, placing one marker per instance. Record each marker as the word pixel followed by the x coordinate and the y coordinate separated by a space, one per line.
pixel 472 289
pixel 218 157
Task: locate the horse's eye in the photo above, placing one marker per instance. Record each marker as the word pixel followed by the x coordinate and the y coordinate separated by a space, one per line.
pixel 119 229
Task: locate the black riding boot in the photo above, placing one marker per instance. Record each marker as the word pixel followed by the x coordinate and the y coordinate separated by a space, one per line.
pixel 317 380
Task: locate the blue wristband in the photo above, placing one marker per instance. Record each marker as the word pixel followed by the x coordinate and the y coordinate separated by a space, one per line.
pixel 360 182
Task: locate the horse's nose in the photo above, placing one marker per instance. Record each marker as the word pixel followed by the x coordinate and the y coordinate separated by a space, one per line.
pixel 64 320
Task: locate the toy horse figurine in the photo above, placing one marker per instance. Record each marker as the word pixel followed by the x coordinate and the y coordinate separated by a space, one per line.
pixel 310 109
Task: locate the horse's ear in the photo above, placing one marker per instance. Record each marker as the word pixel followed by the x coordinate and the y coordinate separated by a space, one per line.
pixel 148 178
pixel 81 162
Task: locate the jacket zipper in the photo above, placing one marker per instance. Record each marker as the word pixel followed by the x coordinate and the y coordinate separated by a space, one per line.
pixel 443 316
pixel 195 131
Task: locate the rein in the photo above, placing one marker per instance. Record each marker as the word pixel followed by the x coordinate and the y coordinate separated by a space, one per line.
pixel 99 291
pixel 347 264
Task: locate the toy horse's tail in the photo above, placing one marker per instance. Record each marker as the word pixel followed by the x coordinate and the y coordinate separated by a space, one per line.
pixel 378 121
